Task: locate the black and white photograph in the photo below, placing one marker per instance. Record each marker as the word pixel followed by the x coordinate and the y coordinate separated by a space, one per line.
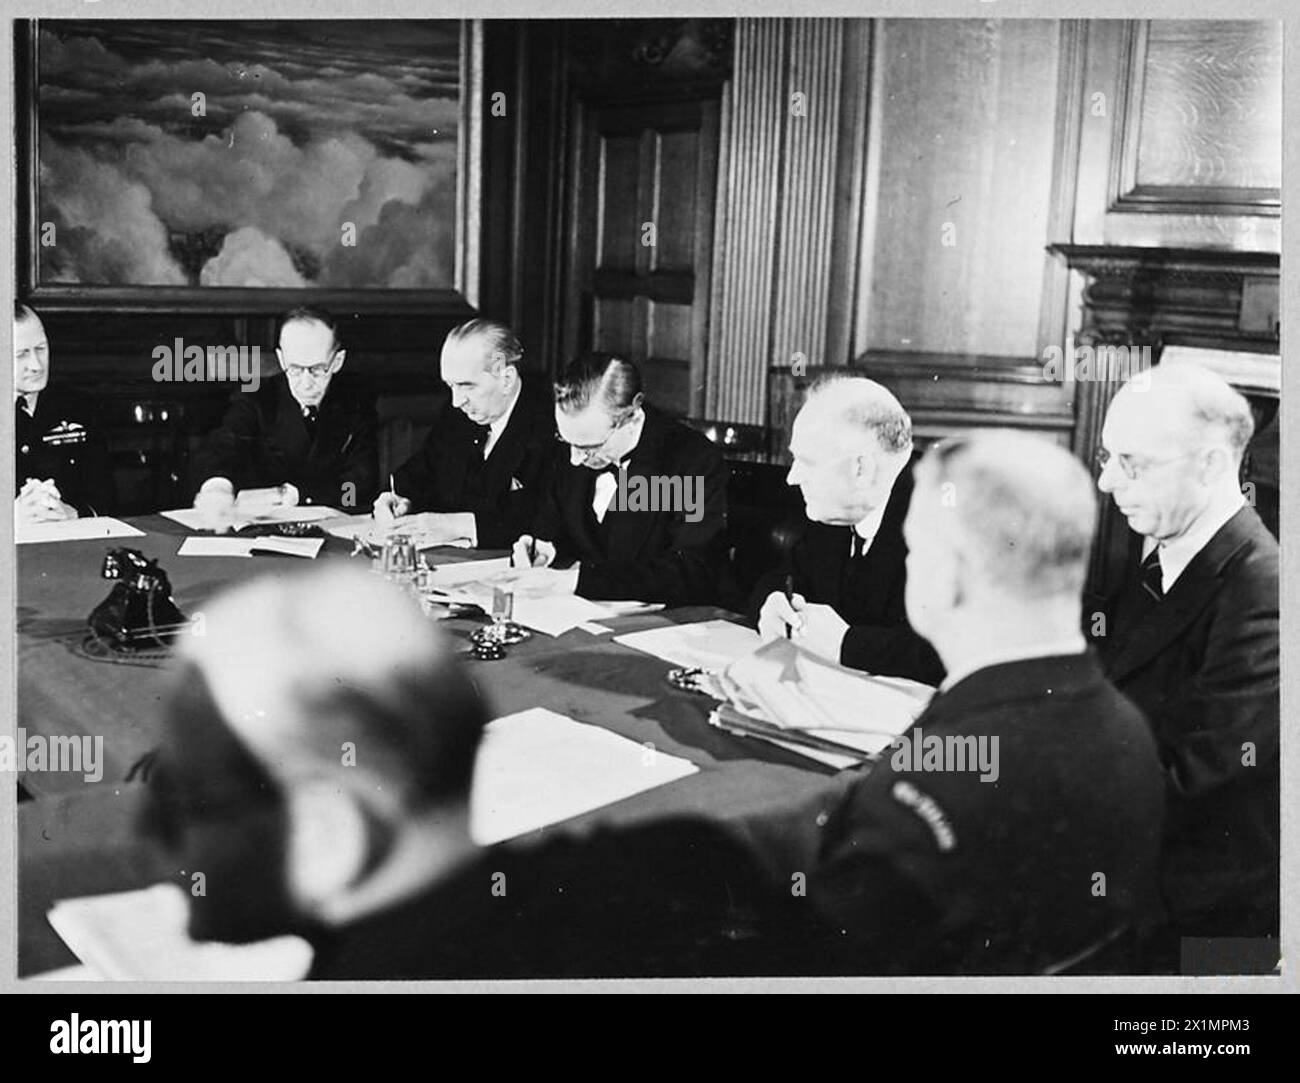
pixel 616 502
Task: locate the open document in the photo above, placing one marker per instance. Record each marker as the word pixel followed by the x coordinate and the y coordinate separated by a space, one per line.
pixel 821 709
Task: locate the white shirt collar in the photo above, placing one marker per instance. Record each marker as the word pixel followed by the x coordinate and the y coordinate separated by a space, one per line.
pixel 1175 555
pixel 869 526
pixel 1074 644
pixel 497 427
pixel 30 396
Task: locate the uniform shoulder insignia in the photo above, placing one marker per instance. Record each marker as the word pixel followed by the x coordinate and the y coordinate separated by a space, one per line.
pixel 66 432
pixel 928 809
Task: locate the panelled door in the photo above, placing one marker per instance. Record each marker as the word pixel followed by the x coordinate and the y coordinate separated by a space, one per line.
pixel 641 234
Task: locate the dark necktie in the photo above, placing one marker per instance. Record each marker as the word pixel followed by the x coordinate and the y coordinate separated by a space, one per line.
pixel 22 407
pixel 309 416
pixel 1152 577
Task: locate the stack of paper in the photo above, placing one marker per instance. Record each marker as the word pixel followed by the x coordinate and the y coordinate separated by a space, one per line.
pixel 247 547
pixel 536 768
pixel 140 936
pixel 785 686
pixel 26 533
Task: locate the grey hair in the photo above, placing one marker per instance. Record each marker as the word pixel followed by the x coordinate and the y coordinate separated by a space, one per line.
pixel 1213 405
pixel 1023 509
pixel 499 341
pixel 866 407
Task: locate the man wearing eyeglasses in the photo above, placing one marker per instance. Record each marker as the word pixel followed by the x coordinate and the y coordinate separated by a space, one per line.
pixel 852 449
pixel 478 476
pixel 1191 636
pixel 596 540
pixel 309 433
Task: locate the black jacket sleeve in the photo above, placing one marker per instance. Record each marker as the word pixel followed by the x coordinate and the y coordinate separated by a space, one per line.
pixel 227 451
pixel 894 650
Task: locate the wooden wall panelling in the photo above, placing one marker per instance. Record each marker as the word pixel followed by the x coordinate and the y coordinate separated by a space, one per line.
pixel 1112 207
pixel 789 206
pixel 748 208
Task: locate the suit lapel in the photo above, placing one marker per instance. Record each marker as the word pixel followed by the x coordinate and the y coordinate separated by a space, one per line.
pixel 1195 589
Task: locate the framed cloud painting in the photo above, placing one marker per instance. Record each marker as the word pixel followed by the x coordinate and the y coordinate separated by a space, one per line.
pixel 251 163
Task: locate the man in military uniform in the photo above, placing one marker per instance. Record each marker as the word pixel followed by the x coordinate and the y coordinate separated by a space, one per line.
pixel 1015 828
pixel 61 462
pixel 310 432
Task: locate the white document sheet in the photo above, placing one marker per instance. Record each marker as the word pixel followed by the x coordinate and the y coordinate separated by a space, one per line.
pixel 536 768
pixel 245 514
pixel 249 547
pixel 140 935
pixel 89 528
pixel 556 614
pixel 468 571
pixel 710 644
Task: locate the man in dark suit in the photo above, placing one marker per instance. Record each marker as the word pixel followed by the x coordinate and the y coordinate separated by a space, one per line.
pixel 62 468
pixel 371 858
pixel 309 432
pixel 1192 638
pixel 852 448
pixel 480 474
pixel 1015 827
pixel 640 510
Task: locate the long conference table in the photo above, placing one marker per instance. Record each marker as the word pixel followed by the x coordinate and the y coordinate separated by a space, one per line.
pixel 78 837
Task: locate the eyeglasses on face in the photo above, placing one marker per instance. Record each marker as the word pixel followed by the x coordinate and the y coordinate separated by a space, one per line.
pixel 318 370
pixel 588 450
pixel 1134 467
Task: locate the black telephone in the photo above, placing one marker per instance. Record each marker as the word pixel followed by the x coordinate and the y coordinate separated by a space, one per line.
pixel 138 613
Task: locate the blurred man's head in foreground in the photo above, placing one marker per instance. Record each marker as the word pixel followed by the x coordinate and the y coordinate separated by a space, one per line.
pixel 318 753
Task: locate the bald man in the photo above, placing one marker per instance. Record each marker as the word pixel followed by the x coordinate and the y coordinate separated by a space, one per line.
pixel 479 475
pixel 1029 843
pixel 851 443
pixel 1191 636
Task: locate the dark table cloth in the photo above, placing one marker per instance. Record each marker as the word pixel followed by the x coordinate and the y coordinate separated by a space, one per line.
pixel 77 838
